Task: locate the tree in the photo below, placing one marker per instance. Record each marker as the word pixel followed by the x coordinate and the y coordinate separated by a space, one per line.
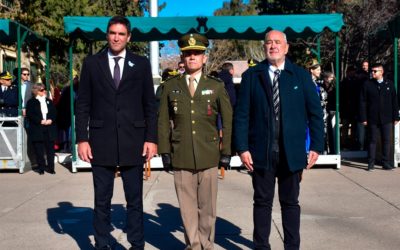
pixel 228 50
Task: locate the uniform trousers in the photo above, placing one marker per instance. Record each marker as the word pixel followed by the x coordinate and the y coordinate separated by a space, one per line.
pixel 40 147
pixel 264 190
pixel 197 196
pixel 373 130
pixel 103 180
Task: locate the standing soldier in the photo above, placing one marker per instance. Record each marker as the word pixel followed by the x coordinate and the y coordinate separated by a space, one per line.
pixel 191 147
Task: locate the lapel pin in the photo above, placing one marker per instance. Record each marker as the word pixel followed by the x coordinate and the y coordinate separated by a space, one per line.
pixel 295 87
pixel 131 64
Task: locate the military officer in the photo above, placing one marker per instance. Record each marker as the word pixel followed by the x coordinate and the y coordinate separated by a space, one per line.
pixel 8 96
pixel 191 146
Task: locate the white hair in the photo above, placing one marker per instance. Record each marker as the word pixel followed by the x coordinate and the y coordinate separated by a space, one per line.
pixel 284 35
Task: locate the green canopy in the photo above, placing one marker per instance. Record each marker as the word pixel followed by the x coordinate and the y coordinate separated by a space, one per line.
pixel 9 32
pixel 214 27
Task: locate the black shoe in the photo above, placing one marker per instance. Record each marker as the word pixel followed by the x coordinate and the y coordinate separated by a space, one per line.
pixel 387 167
pixel 50 171
pixel 41 172
pixel 371 167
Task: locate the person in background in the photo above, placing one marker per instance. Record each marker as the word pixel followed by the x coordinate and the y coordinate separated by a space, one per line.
pixel 8 97
pixel 360 77
pixel 26 86
pixel 192 147
pixel 379 111
pixel 226 75
pixel 329 80
pixel 42 129
pixel 276 102
pixel 181 67
pixel 64 111
pixel 365 66
pixel 315 70
pixel 349 106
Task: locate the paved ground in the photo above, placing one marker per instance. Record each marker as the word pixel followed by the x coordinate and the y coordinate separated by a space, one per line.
pixel 348 208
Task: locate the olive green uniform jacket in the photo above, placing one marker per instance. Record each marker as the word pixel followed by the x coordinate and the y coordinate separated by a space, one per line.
pixel 192 138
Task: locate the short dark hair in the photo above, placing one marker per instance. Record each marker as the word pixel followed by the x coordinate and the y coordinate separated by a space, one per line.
pixel 377 65
pixel 15 71
pixel 227 66
pixel 119 20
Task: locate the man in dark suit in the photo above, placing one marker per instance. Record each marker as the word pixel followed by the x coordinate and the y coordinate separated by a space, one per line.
pixel 116 127
pixel 276 102
pixel 379 110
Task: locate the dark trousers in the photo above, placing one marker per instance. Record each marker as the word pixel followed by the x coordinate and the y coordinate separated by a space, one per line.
pixel 103 180
pixel 264 190
pixel 40 147
pixel 385 130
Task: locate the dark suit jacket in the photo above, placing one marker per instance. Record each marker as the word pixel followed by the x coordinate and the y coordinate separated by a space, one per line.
pixel 9 101
pixel 300 106
pixel 116 122
pixel 378 102
pixel 34 115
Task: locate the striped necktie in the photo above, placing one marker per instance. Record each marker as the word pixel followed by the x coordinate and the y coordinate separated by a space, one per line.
pixel 275 90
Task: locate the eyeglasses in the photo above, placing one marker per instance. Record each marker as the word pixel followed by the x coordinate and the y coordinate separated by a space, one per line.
pixel 25 74
pixel 42 90
pixel 181 67
pixel 375 70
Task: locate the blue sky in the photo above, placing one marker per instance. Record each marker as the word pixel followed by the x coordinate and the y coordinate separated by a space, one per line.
pixel 190 7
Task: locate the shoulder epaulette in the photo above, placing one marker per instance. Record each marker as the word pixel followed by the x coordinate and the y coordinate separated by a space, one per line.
pixel 214 78
pixel 172 77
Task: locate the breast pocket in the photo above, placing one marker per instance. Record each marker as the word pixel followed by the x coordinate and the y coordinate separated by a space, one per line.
pixel 208 106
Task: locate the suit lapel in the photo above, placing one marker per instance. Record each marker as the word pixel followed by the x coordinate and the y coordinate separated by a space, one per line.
pixel 266 84
pixel 105 68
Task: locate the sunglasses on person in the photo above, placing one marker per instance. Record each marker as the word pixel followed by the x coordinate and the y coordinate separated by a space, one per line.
pixel 25 74
pixel 42 90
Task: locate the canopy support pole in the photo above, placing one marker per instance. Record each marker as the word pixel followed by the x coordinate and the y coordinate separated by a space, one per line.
pixel 154 47
pixel 72 97
pixel 396 140
pixel 337 127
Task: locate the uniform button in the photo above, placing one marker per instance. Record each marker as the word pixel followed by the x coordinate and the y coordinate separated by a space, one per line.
pixel 191 101
pixel 193 122
pixel 194 132
pixel 192 111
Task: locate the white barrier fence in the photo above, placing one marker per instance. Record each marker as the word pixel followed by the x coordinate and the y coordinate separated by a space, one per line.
pixel 13 144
